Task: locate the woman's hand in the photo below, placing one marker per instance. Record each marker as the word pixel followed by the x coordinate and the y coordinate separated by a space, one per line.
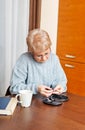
pixel 45 90
pixel 58 89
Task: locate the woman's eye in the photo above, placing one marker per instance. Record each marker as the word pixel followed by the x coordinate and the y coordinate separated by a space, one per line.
pixel 38 55
pixel 46 53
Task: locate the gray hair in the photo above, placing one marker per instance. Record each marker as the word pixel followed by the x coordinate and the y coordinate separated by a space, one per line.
pixel 38 40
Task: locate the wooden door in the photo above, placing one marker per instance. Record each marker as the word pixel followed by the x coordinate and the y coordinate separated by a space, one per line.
pixel 71 30
pixel 71 43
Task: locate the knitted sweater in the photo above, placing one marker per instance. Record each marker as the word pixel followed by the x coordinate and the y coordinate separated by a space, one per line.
pixel 29 74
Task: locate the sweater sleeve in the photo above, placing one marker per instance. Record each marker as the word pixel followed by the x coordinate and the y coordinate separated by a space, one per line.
pixel 19 77
pixel 59 75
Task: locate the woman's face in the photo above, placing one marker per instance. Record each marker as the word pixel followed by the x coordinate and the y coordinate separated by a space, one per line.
pixel 42 56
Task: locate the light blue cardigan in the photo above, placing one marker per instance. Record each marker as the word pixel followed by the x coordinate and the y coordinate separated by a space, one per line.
pixel 28 74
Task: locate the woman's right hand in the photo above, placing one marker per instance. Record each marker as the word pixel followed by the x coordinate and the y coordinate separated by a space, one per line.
pixel 45 90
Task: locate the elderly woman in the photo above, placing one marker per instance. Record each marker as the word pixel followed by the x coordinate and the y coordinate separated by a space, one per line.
pixel 38 69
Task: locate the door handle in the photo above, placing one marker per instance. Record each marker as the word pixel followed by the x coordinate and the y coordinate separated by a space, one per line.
pixel 69 66
pixel 70 56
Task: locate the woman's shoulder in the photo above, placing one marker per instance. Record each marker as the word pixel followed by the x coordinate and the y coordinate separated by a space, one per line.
pixel 55 59
pixel 25 55
pixel 23 58
pixel 54 56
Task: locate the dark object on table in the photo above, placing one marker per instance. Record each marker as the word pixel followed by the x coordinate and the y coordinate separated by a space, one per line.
pixel 55 99
pixel 52 102
pixel 61 97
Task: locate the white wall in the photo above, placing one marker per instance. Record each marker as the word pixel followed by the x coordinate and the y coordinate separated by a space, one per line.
pixel 13 31
pixel 49 19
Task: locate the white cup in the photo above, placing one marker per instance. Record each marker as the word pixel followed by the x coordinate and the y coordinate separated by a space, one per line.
pixel 24 97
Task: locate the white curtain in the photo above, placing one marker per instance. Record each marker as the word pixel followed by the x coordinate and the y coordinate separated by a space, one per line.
pixel 14 18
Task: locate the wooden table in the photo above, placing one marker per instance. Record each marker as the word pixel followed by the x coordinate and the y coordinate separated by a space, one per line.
pixel 39 116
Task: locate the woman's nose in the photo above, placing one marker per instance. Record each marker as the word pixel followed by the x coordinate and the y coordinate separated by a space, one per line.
pixel 44 58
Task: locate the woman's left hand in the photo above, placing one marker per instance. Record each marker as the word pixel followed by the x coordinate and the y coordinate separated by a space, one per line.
pixel 58 89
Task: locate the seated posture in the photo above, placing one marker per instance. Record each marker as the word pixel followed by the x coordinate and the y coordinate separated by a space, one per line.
pixel 38 69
